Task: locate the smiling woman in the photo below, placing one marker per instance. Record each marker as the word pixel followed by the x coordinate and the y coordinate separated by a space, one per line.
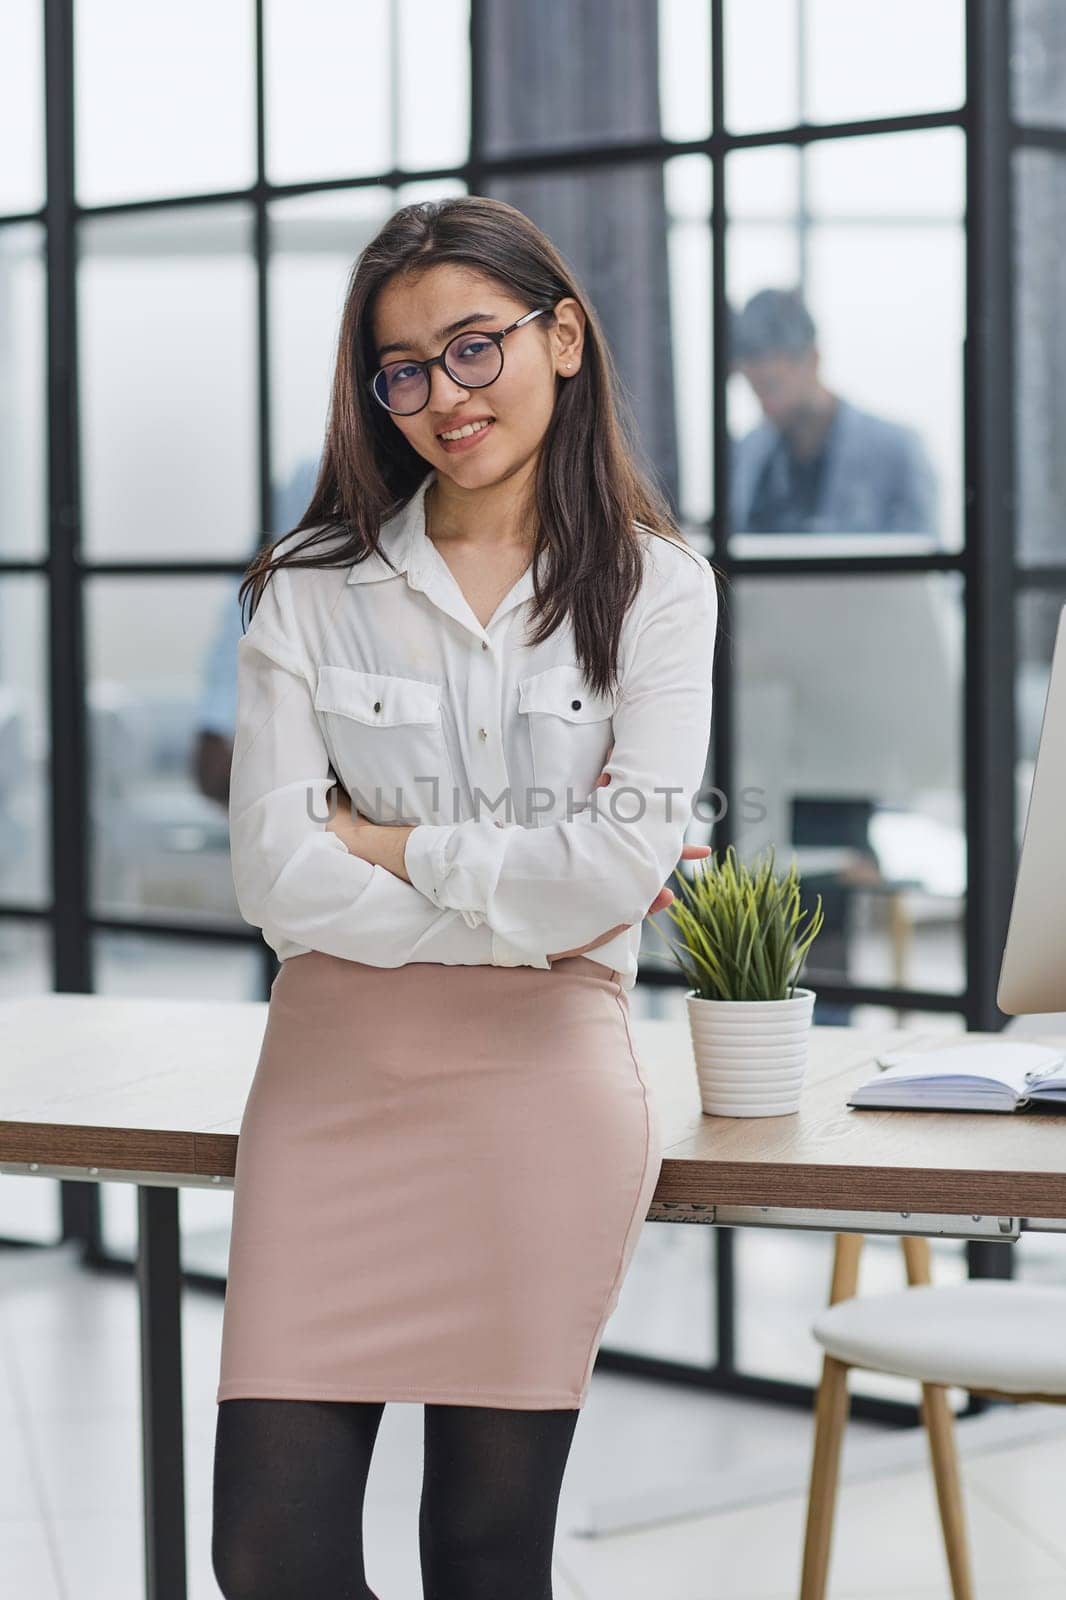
pixel 518 702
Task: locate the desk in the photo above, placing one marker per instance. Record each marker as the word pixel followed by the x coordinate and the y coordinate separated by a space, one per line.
pixel 152 1092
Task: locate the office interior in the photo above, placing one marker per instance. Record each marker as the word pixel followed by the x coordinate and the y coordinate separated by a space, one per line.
pixel 766 200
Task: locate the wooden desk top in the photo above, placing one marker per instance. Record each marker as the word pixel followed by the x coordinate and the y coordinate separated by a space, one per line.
pixel 829 1157
pixel 158 1086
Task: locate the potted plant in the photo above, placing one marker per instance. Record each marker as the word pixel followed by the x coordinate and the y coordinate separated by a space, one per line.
pixel 743 945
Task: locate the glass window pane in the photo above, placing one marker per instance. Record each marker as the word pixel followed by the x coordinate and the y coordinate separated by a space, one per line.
pixel 685 68
pixel 167 322
pixel 22 175
pixel 25 822
pixel 25 960
pixel 23 394
pixel 161 708
pixel 330 71
pixel 1038 62
pixel 412 109
pixel 163 967
pixel 819 61
pixel 609 223
pixel 761 64
pixel 849 755
pixel 867 59
pixel 433 83
pixel 1040 353
pixel 165 98
pixel 845 406
pixel 315 239
pixel 763 239
pixel 687 181
pixel 898 177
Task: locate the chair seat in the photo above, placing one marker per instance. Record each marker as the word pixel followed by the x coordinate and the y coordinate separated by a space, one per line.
pixel 977 1335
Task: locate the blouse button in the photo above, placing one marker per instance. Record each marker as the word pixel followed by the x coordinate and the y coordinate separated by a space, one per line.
pixel 377 705
pixel 484 644
pixel 575 705
pixel 482 733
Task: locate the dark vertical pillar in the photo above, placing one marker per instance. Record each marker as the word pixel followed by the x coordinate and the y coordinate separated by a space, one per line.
pixel 990 533
pixel 990 530
pixel 71 946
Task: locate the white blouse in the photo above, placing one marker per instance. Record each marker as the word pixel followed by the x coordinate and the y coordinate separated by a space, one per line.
pixel 388 683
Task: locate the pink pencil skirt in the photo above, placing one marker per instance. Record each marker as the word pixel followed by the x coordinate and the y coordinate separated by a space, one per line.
pixel 441 1178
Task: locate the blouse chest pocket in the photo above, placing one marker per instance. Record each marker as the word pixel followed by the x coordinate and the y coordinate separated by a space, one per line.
pixel 386 740
pixel 570 734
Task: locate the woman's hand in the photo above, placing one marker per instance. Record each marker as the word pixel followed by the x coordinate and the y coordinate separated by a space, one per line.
pixel 381 844
pixel 689 852
pixel 345 821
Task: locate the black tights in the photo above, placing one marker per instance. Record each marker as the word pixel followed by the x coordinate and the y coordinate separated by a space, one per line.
pixel 289 1482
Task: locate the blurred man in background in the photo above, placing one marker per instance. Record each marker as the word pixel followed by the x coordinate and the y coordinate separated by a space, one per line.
pixel 817 463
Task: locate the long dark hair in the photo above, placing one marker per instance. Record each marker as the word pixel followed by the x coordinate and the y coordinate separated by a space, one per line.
pixel 588 494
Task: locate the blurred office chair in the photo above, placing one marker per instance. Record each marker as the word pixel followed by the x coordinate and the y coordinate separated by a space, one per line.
pixel 992 1337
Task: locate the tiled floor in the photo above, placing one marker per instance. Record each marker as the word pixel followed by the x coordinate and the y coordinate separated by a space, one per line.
pixel 70 1487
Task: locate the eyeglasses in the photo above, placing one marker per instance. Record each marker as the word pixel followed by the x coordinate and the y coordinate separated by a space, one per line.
pixel 473 360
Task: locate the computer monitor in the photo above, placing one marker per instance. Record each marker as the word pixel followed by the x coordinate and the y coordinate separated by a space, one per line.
pixel 1032 977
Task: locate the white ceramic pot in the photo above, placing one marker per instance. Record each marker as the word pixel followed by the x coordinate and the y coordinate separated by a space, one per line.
pixel 751 1055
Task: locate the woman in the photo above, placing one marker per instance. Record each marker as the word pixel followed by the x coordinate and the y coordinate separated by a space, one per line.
pixel 448 1148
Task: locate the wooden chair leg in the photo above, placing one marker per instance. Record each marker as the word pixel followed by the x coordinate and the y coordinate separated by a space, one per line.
pixel 830 1415
pixel 847 1251
pixel 939 1425
pixel 917 1260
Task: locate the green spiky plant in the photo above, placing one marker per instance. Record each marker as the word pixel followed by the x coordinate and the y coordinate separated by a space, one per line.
pixel 742 932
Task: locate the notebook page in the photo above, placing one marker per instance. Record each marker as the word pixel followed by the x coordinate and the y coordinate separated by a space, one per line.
pixel 958 1091
pixel 1007 1063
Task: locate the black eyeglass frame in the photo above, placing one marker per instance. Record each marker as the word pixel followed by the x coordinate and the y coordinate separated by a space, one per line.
pixel 497 338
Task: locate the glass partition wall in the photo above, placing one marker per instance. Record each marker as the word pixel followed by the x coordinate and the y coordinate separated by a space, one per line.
pixel 825 239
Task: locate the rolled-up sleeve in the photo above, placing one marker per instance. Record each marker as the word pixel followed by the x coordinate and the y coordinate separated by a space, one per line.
pixel 294 878
pixel 561 885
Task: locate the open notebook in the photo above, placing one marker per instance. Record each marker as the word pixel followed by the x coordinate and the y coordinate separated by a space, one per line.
pixel 982 1076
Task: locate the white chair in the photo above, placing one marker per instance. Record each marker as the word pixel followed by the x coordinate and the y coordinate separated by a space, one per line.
pixel 992 1337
